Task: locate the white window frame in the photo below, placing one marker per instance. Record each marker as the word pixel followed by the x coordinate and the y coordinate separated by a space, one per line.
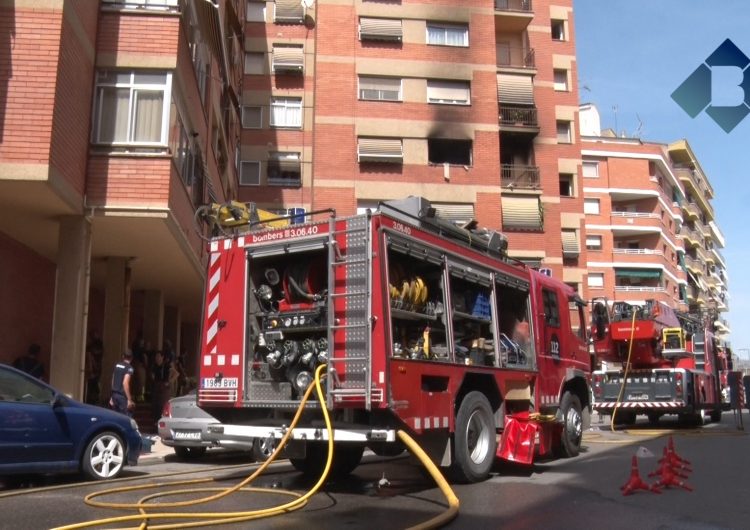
pixel 438 34
pixel 247 164
pixel 134 89
pixel 289 104
pixel 378 92
pixel 591 206
pixel 593 242
pixel 251 67
pixel 595 280
pixel 566 136
pixel 560 80
pixel 260 117
pixel 593 169
pixel 457 84
pixel 259 6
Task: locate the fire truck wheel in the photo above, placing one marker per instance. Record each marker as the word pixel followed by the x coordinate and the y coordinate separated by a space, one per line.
pixel 346 457
pixel 653 417
pixel 387 449
pixel 572 433
pixel 716 415
pixel 475 441
pixel 263 448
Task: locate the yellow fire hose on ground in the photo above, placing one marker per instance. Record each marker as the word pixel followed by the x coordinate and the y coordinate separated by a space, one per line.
pixel 200 519
pixel 625 374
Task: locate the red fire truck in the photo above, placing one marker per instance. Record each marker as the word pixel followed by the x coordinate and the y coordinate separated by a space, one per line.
pixel 422 325
pixel 656 361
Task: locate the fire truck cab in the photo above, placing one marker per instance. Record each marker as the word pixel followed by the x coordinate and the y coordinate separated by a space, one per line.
pixel 422 325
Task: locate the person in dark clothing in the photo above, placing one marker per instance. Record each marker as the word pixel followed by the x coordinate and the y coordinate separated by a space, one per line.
pixel 161 373
pixel 30 362
pixel 122 398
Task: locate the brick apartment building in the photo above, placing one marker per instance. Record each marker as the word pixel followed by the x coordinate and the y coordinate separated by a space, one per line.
pixel 650 226
pixel 119 117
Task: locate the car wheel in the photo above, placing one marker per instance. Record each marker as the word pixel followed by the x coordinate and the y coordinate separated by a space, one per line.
pixel 475 439
pixel 104 456
pixel 263 448
pixel 189 453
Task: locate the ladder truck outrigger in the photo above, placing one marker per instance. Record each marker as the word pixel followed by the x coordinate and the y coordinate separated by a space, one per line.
pixel 423 326
pixel 656 361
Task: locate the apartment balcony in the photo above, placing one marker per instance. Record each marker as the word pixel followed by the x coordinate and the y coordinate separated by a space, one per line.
pixel 639 289
pixel 691 211
pixel 691 237
pixel 644 256
pixel 636 222
pixel 695 188
pixel 514 176
pixel 693 265
pixel 513 15
pixel 518 119
pixel 515 58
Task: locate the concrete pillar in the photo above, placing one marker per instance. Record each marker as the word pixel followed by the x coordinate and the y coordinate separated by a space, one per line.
pixel 153 319
pixel 172 324
pixel 116 316
pixel 67 358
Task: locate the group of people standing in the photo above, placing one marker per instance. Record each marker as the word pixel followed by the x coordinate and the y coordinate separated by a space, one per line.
pixel 143 375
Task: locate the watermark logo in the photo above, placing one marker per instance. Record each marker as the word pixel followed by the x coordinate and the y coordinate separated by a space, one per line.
pixel 720 86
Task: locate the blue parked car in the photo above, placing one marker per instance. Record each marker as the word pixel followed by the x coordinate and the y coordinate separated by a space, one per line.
pixel 43 431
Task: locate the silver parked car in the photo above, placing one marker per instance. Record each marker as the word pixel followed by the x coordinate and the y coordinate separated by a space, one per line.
pixel 183 425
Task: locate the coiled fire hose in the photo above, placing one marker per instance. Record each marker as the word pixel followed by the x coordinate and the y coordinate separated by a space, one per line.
pixel 202 519
pixel 625 374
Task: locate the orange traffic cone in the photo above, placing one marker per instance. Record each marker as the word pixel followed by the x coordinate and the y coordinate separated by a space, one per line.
pixel 670 446
pixel 635 482
pixel 669 478
pixel 671 464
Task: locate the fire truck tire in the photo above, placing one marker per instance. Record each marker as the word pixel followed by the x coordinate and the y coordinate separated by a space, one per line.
pixel 572 433
pixel 653 417
pixel 474 441
pixel 346 457
pixel 625 417
pixel 716 415
pixel 387 449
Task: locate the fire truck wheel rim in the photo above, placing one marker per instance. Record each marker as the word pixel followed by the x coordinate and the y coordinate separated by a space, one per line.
pixel 478 437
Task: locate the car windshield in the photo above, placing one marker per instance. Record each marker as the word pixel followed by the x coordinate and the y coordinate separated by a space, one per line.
pixel 16 387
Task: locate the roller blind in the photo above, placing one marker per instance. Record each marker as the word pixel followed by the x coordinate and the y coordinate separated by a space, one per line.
pixel 522 213
pixel 570 245
pixel 380 150
pixel 515 89
pixel 290 58
pixel 448 91
pixel 289 11
pixel 456 213
pixel 380 29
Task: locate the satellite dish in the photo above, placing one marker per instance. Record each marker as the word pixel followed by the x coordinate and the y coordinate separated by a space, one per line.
pixel 307 4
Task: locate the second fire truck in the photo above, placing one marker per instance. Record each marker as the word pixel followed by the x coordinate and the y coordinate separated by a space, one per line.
pixel 422 325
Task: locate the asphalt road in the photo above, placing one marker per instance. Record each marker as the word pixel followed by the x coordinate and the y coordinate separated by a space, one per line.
pixel 582 492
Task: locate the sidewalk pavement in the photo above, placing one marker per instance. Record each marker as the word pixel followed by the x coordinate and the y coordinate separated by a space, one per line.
pixel 155 452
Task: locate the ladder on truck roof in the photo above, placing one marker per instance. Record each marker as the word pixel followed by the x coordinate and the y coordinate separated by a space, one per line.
pixel 699 350
pixel 350 311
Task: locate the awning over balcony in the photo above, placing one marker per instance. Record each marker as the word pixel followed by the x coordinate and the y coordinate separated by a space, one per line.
pixel 515 89
pixel 653 274
pixel 209 24
pixel 522 213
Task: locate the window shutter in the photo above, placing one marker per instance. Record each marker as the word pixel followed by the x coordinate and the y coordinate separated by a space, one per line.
pixel 522 213
pixel 515 89
pixel 570 246
pixel 289 11
pixel 380 150
pixel 449 91
pixel 380 29
pixel 455 213
pixel 288 59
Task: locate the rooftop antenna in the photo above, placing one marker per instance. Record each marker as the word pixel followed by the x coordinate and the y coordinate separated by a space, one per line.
pixel 614 109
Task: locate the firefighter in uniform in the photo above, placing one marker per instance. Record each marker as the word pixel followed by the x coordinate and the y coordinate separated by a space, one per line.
pixel 122 397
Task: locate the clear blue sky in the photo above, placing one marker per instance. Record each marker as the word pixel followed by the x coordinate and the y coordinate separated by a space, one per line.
pixel 632 54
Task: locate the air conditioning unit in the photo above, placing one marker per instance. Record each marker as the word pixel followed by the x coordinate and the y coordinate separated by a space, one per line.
pixel 546 271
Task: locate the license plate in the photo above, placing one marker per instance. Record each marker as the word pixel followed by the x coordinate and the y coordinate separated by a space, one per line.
pixel 187 435
pixel 638 397
pixel 226 382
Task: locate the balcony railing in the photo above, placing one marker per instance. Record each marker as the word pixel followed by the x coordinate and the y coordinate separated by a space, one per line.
pixel 692 210
pixel 519 116
pixel 519 177
pixel 639 289
pixel 515 57
pixel 638 251
pixel 523 6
